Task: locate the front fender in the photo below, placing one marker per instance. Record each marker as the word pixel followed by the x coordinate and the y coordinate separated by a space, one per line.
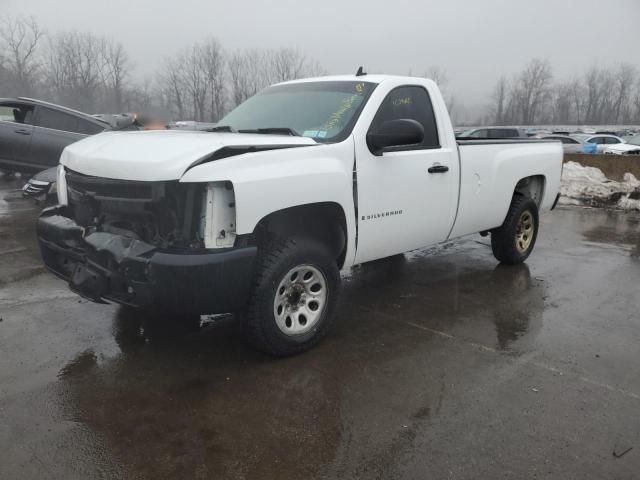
pixel 266 182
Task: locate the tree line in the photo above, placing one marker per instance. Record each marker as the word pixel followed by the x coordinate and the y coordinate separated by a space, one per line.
pixel 203 81
pixel 95 74
pixel 600 96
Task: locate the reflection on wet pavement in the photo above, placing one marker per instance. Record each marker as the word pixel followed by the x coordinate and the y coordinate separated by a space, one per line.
pixel 441 365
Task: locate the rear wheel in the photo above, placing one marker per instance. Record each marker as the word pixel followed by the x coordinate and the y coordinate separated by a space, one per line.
pixel 294 295
pixel 513 242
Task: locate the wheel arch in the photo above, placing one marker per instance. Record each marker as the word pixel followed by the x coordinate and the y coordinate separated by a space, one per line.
pixel 532 187
pixel 325 221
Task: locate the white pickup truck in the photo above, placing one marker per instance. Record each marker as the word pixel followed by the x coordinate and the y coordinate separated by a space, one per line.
pixel 303 180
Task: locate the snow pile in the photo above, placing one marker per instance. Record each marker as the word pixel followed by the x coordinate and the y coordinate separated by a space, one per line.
pixel 589 186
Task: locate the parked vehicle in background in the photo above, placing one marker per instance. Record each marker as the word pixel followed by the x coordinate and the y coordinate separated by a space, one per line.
pixel 191 125
pixel 493 133
pixel 569 144
pixel 300 181
pixel 631 147
pixel 601 141
pixel 42 186
pixel 627 135
pixel 33 133
pixel 132 121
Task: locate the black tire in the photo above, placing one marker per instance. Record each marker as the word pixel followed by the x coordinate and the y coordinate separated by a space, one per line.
pixel 274 263
pixel 505 242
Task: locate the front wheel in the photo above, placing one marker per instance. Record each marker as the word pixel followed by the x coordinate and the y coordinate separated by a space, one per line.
pixel 513 242
pixel 294 295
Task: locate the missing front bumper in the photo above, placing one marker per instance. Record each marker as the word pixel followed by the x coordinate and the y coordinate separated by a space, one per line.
pixel 102 266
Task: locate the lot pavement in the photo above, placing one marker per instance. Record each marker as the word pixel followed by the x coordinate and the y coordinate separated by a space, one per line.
pixel 441 365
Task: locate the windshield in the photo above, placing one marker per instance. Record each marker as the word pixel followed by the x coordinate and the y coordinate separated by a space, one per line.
pixel 324 111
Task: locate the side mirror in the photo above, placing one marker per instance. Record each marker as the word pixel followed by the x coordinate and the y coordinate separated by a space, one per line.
pixel 395 133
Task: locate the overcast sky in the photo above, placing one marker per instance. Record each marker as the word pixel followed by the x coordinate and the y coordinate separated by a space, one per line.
pixel 474 40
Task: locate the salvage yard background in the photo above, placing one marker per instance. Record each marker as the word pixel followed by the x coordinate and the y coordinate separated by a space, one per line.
pixel 442 364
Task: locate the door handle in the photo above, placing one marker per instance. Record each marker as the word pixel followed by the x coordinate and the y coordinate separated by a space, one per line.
pixel 23 131
pixel 438 169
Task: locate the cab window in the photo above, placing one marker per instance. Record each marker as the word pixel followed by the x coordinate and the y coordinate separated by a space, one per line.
pixel 414 103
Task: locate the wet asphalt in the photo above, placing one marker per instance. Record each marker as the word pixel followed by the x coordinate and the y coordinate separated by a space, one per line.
pixel 441 365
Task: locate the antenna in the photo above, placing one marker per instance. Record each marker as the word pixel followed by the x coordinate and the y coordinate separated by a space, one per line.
pixel 360 72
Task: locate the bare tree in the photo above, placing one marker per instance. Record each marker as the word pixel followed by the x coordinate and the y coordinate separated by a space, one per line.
pixel 438 75
pixel 195 82
pixel 635 116
pixel 19 38
pixel 500 99
pixel 562 104
pixel 532 89
pixel 116 71
pixel 171 87
pixel 75 69
pixel 140 97
pixel 577 96
pixel 247 75
pixel 286 64
pixel 441 78
pixel 213 64
pixel 624 80
pixel 252 70
pixel 598 84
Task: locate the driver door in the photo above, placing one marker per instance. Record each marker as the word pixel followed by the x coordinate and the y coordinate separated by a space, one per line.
pixel 407 196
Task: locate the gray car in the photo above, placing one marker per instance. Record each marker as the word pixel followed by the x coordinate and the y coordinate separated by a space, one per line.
pixel 569 144
pixel 493 133
pixel 33 133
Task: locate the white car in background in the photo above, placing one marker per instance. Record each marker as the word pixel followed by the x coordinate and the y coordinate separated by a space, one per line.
pixel 602 141
pixel 631 147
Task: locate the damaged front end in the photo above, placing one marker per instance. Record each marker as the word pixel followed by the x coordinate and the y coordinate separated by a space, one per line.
pixel 161 245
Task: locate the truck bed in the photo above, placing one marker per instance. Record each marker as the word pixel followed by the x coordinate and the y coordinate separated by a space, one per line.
pixel 489 172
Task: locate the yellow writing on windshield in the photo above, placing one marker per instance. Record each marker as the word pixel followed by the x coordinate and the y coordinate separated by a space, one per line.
pixel 345 106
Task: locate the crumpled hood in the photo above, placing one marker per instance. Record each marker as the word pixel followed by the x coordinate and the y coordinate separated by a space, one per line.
pixel 157 155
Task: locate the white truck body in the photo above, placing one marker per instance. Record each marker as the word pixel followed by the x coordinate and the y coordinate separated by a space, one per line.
pixel 400 206
pixel 300 181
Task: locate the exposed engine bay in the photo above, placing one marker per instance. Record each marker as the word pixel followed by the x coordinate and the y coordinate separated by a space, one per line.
pixel 165 214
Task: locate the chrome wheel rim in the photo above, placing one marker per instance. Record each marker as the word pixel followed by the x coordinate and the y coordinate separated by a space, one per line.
pixel 524 231
pixel 300 300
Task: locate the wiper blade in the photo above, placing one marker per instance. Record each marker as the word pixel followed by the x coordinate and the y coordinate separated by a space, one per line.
pixel 273 130
pixel 222 128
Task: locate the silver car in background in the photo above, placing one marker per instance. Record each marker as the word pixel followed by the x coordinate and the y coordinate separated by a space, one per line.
pixel 569 144
pixel 493 133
